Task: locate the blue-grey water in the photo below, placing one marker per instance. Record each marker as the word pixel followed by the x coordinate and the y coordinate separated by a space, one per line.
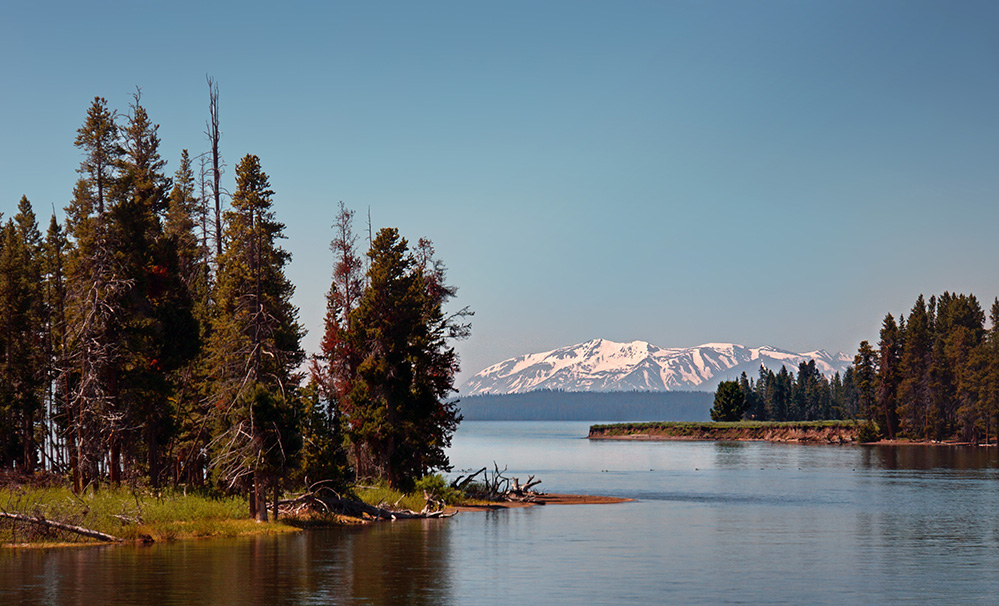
pixel 713 523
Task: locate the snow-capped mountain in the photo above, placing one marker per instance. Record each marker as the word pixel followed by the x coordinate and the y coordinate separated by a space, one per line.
pixel 601 365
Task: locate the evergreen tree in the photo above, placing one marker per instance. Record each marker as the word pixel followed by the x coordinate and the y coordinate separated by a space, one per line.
pixel 99 141
pixel 54 268
pixel 752 400
pixel 837 406
pixel 984 371
pixel 865 371
pixel 96 285
pixel 730 402
pixel 254 345
pixel 811 394
pixel 915 404
pixel 141 387
pixel 889 374
pixel 333 371
pixel 184 216
pixel 399 415
pixel 849 399
pixel 781 396
pixel 765 384
pixel 22 312
pixel 958 329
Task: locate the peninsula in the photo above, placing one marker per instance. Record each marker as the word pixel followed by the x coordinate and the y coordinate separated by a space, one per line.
pixel 819 432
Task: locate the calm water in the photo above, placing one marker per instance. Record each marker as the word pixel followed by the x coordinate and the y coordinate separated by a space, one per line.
pixel 738 523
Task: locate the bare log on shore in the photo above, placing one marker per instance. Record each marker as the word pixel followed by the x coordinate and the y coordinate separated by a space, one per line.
pixel 41 521
pixel 328 501
pixel 498 487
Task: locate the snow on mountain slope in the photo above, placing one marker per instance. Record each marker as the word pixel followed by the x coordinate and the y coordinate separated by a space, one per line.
pixel 601 365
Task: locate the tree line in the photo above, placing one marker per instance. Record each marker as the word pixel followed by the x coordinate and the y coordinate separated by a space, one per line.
pixel 786 396
pixel 934 375
pixel 150 337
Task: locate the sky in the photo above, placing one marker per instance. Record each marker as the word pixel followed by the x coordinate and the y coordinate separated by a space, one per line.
pixel 776 173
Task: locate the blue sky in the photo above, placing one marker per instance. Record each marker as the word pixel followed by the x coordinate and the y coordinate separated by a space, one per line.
pixel 779 173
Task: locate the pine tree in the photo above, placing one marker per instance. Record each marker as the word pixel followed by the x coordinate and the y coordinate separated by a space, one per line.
pixel 984 371
pixel 752 399
pixel 958 329
pixel 141 389
pixel 865 370
pixel 54 270
pixel 333 371
pixel 98 139
pixel 185 218
pixel 22 312
pixel 399 414
pixel 95 287
pixel 849 400
pixel 889 374
pixel 730 402
pixel 254 344
pixel 781 403
pixel 915 404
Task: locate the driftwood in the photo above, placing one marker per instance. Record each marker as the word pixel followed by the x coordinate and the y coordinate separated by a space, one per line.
pixel 328 501
pixel 497 487
pixel 41 521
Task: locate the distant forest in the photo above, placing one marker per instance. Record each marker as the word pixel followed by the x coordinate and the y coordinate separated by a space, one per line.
pixel 547 405
pixel 934 375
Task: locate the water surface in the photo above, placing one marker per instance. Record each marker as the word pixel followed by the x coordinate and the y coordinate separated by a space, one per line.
pixel 735 523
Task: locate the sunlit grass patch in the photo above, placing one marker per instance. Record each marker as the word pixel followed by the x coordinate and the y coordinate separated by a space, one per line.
pixel 127 513
pixel 383 496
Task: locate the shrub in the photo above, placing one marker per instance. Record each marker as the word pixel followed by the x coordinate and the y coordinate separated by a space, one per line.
pixel 868 432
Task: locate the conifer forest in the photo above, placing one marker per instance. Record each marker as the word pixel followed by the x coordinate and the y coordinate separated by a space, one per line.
pixel 933 376
pixel 150 337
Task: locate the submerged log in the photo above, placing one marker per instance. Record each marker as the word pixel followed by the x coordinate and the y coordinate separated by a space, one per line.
pixel 39 520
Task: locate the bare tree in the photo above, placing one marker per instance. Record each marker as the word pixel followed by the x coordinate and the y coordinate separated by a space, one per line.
pixel 214 136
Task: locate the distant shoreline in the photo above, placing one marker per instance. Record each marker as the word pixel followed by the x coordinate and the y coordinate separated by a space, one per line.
pixel 795 432
pixel 815 432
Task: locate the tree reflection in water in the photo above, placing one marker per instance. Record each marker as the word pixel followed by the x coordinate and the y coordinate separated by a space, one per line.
pixel 405 562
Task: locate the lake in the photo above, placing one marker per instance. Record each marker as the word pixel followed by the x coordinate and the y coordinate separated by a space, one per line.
pixel 713 523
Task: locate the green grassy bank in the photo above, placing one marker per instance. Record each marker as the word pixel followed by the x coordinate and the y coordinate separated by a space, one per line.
pixel 131 515
pixel 141 514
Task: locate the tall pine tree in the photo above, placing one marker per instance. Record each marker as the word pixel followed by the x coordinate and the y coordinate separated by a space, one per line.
pixel 254 343
pixel 399 415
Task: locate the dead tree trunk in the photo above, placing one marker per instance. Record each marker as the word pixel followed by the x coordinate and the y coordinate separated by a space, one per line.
pixel 214 135
pixel 39 520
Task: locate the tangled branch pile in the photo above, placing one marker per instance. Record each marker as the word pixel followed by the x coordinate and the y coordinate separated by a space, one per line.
pixel 497 487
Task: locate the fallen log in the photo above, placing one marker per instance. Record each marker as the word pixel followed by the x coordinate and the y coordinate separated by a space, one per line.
pixel 39 520
pixel 329 501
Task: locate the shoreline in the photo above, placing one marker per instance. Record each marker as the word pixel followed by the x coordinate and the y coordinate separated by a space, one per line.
pixel 294 524
pixel 803 432
pixel 817 432
pixel 664 438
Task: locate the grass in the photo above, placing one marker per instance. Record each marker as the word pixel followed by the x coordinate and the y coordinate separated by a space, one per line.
pixel 129 514
pixel 383 496
pixel 168 514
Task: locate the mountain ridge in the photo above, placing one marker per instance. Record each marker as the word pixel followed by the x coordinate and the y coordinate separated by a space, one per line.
pixel 603 365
